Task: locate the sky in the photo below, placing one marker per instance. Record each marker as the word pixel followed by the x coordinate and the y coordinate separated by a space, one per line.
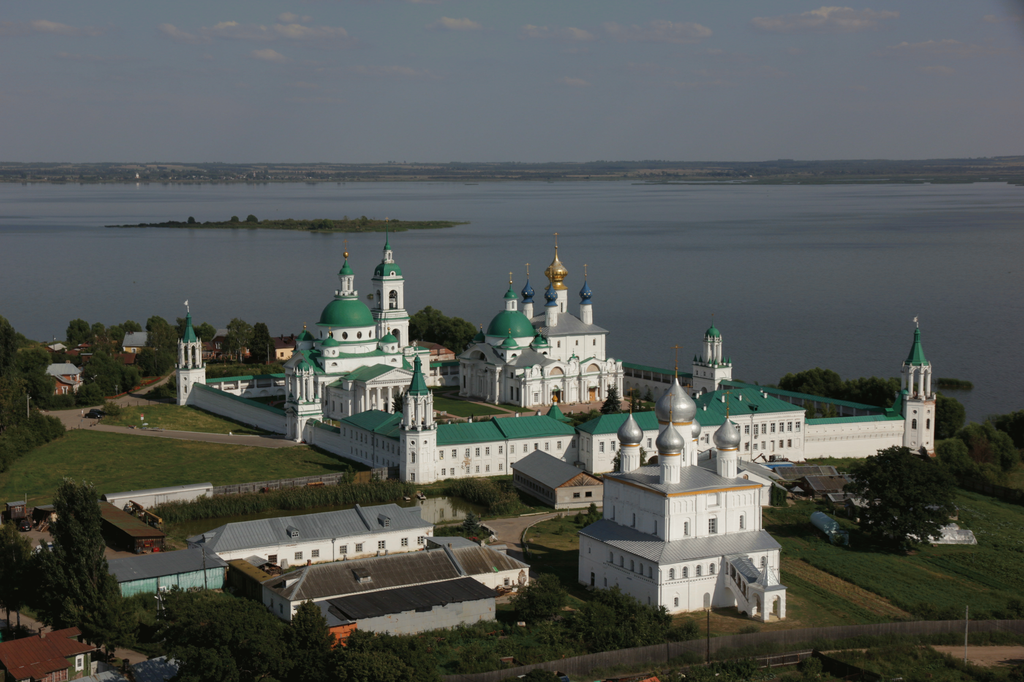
pixel 355 81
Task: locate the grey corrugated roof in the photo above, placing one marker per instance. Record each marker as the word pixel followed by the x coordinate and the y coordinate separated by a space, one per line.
pixel 822 484
pixel 745 567
pixel 706 462
pixel 565 324
pixel 339 578
pixel 155 670
pixel 452 542
pixel 795 473
pixel 530 357
pixel 62 368
pixel 334 524
pixel 479 560
pixel 550 471
pixel 691 479
pixel 160 564
pixel 111 497
pixel 652 548
pixel 415 598
pixel 135 339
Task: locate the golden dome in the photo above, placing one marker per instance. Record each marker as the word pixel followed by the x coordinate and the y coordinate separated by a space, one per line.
pixel 556 272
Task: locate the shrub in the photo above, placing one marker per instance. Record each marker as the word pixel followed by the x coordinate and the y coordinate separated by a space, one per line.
pixel 498 497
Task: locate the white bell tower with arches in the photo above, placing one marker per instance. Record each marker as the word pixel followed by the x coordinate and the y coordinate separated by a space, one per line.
pixel 388 308
pixel 189 369
pixel 918 399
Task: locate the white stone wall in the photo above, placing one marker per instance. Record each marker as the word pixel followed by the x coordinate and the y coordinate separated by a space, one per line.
pixel 250 388
pixel 253 414
pixel 858 439
pixel 448 616
pixel 330 549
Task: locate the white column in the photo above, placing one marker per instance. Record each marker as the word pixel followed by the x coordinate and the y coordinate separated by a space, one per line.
pixel 928 381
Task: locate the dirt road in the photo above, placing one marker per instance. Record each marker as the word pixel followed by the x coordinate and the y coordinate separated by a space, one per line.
pixel 510 531
pixel 987 656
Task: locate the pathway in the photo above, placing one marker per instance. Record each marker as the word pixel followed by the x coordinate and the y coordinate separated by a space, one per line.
pixel 510 531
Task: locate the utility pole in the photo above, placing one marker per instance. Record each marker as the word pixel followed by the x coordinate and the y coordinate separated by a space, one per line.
pixel 707 654
pixel 27 398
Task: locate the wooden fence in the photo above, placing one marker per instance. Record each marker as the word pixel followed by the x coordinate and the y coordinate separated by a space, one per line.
pixel 786 640
pixel 1015 495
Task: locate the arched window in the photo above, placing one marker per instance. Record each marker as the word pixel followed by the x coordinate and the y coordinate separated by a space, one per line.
pixel 743 521
pixel 632 566
pixel 675 602
pixel 634 520
pixel 641 569
pixel 764 562
pixel 393 300
pixel 650 572
pixel 686 571
pixel 611 557
pixel 927 423
pixel 711 569
pixel 696 571
pixel 672 574
pixel 913 423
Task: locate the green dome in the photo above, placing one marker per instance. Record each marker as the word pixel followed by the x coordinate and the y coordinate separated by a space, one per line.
pixel 387 270
pixel 346 312
pixel 330 342
pixel 540 342
pixel 712 332
pixel 510 295
pixel 389 338
pixel 509 343
pixel 305 336
pixel 511 319
pixel 345 269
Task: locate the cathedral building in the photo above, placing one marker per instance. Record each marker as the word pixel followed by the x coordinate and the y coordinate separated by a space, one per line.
pixel 679 535
pixel 551 357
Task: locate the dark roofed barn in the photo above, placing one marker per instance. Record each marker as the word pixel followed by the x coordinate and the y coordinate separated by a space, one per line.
pixel 124 532
pixel 556 483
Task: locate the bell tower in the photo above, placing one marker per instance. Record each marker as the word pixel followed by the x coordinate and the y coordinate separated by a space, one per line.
pixel 711 368
pixel 918 399
pixel 389 297
pixel 189 369
pixel 419 432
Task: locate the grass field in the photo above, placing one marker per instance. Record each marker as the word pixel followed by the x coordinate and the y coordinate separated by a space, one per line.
pixel 461 408
pixel 115 462
pixel 175 418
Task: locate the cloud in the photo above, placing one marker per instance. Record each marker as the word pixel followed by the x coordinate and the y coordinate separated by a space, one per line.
pixel 43 26
pixel 658 31
pixel 1011 19
pixel 937 70
pixel 937 48
pixel 825 19
pixel 269 55
pixel 174 33
pixel 567 33
pixel 573 82
pixel 289 18
pixel 449 24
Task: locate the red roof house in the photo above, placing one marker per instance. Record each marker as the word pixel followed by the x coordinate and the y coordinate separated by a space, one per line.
pixel 47 657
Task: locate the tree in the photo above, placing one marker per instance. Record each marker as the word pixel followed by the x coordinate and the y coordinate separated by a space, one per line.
pixel 817 381
pixel 598 624
pixel 191 220
pixel 384 658
pixel 308 646
pixel 238 338
pixel 613 403
pixel 950 416
pixel 649 397
pixel 908 499
pixel 432 325
pixel 397 402
pixel 810 412
pixel 153 363
pixel 251 218
pixel 205 331
pixel 953 454
pixel 15 572
pixel 234 219
pixel 8 347
pixel 160 335
pixel 1012 424
pixel 130 326
pixel 988 445
pixel 542 598
pixel 216 638
pixel 78 332
pixel 471 524
pixel 262 346
pixel 75 585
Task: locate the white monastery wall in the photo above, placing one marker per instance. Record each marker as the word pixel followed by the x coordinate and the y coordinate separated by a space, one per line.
pixel 859 439
pixel 236 408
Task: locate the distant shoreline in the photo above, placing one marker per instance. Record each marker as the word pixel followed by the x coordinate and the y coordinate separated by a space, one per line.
pixel 361 224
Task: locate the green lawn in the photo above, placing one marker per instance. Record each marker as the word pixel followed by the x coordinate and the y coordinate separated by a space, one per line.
pixel 115 462
pixel 553 546
pixel 461 408
pixel 175 418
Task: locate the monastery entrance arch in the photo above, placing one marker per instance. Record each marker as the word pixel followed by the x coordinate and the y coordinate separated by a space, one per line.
pixel 707 600
pixel 757 609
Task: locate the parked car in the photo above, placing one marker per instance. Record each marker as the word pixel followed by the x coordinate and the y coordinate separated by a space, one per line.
pixel 24 525
pixel 95 414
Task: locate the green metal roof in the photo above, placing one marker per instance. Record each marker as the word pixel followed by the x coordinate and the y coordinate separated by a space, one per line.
pixel 306 336
pixel 190 334
pixel 648 368
pixel 345 269
pixel 245 377
pixel 713 332
pixel 853 420
pixel 369 372
pixel 510 295
pixel 346 312
pixel 307 357
pixel 610 423
pixel 511 320
pixel 916 356
pixel 387 270
pixel 330 342
pixel 377 421
pixel 556 413
pixel 509 343
pixel 804 396
pixel 418 386
pixel 389 338
pixel 740 402
pixel 464 433
pixel 444 363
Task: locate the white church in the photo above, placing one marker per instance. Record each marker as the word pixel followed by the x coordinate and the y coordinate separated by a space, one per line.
pixel 341 387
pixel 679 535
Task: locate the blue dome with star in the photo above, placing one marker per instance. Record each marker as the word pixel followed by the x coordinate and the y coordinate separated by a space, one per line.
pixel 551 296
pixel 585 293
pixel 528 293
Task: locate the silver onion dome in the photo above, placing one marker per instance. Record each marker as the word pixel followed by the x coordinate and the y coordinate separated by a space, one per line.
pixel 675 406
pixel 695 429
pixel 670 442
pixel 630 432
pixel 727 437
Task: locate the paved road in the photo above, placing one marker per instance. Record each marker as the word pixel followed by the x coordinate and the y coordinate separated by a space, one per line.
pixel 510 531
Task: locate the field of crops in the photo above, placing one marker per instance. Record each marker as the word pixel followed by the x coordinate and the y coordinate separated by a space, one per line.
pixel 931 582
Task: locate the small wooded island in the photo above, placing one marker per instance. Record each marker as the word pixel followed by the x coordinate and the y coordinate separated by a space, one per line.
pixel 345 224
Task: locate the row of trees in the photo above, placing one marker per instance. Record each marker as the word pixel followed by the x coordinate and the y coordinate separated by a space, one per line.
pixel 22 381
pixel 434 326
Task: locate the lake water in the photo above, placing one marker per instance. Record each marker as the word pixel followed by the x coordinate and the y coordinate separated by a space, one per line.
pixel 796 276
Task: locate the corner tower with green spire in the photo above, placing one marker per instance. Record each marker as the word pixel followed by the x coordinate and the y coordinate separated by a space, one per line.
pixel 388 308
pixel 419 431
pixel 189 369
pixel 918 399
